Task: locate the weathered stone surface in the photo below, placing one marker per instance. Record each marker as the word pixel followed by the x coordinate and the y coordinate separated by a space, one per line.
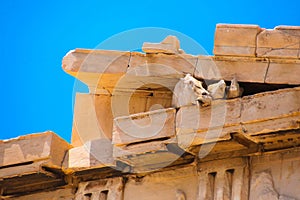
pixel 224 179
pixel 96 61
pixel 93 114
pixel 244 69
pixel 272 104
pixel 105 189
pixel 170 45
pixel 59 194
pixel 97 68
pixel 151 156
pixel 271 111
pixel 280 170
pixel 283 71
pixel 93 154
pixel 282 42
pixel 144 126
pixel 161 64
pixel 31 162
pixel 163 185
pixel 46 147
pixel 234 39
pixel 93 118
pixel 278 140
pixel 262 187
pixel 196 125
pixel 126 103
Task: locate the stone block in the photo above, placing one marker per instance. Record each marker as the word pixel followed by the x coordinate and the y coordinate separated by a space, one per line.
pixel 161 64
pixel 104 189
pixel 151 155
pixel 281 42
pixel 180 183
pixel 170 45
pixel 93 154
pixel 235 39
pixel 144 126
pixel 271 111
pixel 277 173
pixel 31 162
pixel 46 147
pixel 270 105
pixel 98 69
pixel 58 194
pixel 93 118
pixel 197 125
pixel 283 71
pixel 245 69
pixel 96 61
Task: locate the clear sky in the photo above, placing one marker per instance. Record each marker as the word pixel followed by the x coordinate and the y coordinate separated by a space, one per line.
pixel 36 95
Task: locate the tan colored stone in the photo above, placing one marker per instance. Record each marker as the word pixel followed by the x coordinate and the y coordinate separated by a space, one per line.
pixel 269 125
pixel 93 114
pixel 278 140
pixel 93 154
pixel 244 69
pixel 97 68
pixel 173 40
pixel 93 118
pixel 144 126
pixel 149 156
pixel 163 185
pixel 161 65
pixel 198 125
pixel 96 61
pixel 105 189
pixel 234 39
pixel 59 194
pixel 270 105
pixel 170 45
pixel 32 162
pixel 282 71
pixel 159 48
pixel 282 166
pixel 46 147
pixel 282 42
pixel 223 179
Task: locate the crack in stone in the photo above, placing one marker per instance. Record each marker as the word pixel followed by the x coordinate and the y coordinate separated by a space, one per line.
pixel 195 69
pixel 274 49
pixel 266 74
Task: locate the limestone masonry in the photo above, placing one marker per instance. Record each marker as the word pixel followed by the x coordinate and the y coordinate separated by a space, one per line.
pixel 231 130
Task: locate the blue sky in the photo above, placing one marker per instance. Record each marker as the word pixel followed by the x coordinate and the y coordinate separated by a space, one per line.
pixel 36 95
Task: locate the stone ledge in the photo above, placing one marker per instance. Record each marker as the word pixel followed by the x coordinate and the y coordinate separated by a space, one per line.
pixel 144 126
pixel 263 113
pixel 281 42
pixel 34 160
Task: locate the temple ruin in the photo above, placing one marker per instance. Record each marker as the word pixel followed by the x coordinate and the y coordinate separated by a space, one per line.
pixel 130 141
